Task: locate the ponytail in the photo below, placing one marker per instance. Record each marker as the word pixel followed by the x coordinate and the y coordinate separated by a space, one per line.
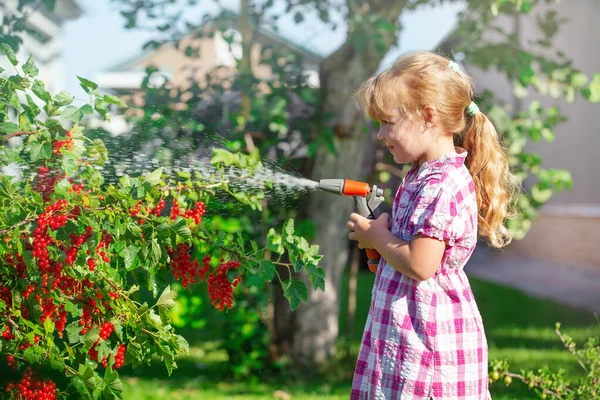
pixel 488 164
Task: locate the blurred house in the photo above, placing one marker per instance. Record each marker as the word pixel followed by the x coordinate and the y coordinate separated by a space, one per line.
pixel 44 39
pixel 214 52
pixel 567 229
pixel 217 49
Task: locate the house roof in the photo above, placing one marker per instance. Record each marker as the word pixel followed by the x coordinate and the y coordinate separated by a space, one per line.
pixel 232 18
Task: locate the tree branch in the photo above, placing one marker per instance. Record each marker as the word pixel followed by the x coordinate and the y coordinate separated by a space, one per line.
pixel 25 221
pixel 230 251
pixel 19 133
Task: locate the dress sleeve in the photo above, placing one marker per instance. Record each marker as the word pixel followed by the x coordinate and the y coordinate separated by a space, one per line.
pixel 434 213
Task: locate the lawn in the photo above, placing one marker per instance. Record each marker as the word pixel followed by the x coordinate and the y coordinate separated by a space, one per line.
pixel 519 328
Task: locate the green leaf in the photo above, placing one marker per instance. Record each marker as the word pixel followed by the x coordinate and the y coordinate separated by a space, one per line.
pixel 71 112
pixel 19 82
pixel 129 254
pixel 29 67
pixel 87 85
pixel 525 7
pixel 7 188
pixel 312 254
pixel 183 344
pixel 91 336
pixel 295 292
pixel 49 4
pixel 81 388
pixel 45 151
pixel 274 242
pixel 119 330
pixel 68 165
pixel 62 187
pixel 113 385
pixel 169 363
pixel 98 151
pixel 31 355
pixel 14 101
pixel 254 280
pixel 316 275
pixel 578 79
pixel 100 107
pixel 48 325
pixel 74 332
pixel 153 178
pixel 86 109
pixel 35 110
pixel 222 156
pixel 109 98
pixel 154 319
pixel 540 195
pixel 9 127
pixel 103 349
pixel 39 89
pixel 156 253
pixel 135 230
pixel 288 231
pixel 267 269
pixel 298 264
pixel 166 301
pixel 72 309
pixel 184 231
pixel 56 363
pixel 254 201
pixel 592 92
pixel 6 50
pixel 34 151
pixel 25 120
pixel 116 385
pixel 162 227
pixel 138 190
pixel 63 98
pixel 302 244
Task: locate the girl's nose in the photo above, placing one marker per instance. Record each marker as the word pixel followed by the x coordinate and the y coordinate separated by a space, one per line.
pixel 380 135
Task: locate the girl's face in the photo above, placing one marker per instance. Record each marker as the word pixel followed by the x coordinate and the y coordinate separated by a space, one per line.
pixel 404 138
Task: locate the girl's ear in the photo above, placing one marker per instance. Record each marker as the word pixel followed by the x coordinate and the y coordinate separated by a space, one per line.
pixel 429 116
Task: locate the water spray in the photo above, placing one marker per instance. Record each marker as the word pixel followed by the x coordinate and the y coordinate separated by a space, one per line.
pixel 366 200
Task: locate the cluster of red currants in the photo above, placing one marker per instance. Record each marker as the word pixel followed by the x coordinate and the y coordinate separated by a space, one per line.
pixel 30 387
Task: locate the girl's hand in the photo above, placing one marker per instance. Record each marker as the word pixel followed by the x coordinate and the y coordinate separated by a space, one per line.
pixel 369 233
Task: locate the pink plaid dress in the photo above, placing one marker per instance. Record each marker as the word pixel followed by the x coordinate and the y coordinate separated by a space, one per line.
pixel 426 340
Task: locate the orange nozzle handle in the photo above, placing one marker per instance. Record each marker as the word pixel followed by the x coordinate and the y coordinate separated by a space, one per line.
pixel 373 254
pixel 355 188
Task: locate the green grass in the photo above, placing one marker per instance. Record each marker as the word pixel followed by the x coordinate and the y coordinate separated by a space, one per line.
pixel 519 328
pixel 202 375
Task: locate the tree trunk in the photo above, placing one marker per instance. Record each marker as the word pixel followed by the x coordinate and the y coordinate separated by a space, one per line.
pixel 247 33
pixel 352 285
pixel 341 73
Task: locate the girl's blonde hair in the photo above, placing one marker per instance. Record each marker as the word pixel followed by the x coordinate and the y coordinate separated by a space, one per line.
pixel 423 78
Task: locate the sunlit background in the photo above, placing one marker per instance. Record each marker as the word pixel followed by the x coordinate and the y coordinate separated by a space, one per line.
pixel 536 71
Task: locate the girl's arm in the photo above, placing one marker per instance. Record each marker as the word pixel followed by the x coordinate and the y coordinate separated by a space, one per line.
pixel 418 259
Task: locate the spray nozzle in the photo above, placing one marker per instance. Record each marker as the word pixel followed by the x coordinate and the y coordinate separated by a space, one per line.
pixel 345 187
pixel 367 199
